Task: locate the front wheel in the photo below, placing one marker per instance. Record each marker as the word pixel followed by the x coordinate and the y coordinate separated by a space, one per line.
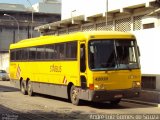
pixel 74 96
pixel 29 88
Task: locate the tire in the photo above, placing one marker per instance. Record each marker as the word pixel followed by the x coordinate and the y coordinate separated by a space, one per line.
pixel 23 88
pixel 115 102
pixel 74 96
pixel 30 88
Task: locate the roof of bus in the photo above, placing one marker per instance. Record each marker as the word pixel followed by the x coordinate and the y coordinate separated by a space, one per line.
pixel 71 37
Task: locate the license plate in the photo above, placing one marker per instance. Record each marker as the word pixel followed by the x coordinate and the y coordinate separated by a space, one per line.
pixel 118 96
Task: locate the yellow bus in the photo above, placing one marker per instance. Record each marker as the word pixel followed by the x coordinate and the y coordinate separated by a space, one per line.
pixel 94 66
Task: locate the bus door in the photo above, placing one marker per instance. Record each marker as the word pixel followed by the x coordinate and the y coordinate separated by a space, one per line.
pixel 83 78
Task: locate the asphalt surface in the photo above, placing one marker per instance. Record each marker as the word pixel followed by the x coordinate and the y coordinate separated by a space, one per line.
pixel 15 106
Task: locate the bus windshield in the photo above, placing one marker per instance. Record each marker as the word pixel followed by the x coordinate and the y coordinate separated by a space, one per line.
pixel 113 54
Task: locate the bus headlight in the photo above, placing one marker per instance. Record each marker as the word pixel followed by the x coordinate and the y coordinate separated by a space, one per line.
pixel 136 84
pixel 99 87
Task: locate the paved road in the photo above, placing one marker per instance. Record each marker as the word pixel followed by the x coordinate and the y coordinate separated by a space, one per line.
pixel 15 106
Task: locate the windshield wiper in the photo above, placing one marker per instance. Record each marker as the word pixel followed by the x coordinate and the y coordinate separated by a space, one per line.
pixel 128 67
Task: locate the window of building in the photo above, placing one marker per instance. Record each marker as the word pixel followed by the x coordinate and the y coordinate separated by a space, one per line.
pixel 149 82
pixel 149 25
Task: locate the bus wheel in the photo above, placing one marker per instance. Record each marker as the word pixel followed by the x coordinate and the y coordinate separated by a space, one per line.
pixel 115 102
pixel 23 90
pixel 29 88
pixel 74 95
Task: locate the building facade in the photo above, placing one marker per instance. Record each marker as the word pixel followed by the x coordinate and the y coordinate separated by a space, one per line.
pixel 48 6
pixel 141 17
pixel 17 22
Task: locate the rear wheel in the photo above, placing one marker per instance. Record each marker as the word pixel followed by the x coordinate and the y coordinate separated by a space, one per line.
pixel 115 102
pixel 23 89
pixel 74 96
pixel 29 88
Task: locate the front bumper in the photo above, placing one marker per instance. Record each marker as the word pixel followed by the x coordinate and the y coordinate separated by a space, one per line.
pixel 104 95
pixel 3 78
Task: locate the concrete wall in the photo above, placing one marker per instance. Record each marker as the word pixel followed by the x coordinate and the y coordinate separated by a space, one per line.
pixel 13 7
pixel 9 35
pixel 6 37
pixel 148 41
pixel 4 61
pixel 45 7
pixel 151 19
pixel 92 7
pixel 48 7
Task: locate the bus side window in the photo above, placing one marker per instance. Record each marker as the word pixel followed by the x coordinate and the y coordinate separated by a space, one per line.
pixel 13 55
pixel 82 58
pixel 32 53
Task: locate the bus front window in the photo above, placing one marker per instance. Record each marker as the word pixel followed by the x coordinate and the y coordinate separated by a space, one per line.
pixel 112 54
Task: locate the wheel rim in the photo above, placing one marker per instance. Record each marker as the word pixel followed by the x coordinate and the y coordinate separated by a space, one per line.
pixel 74 95
pixel 22 88
pixel 29 88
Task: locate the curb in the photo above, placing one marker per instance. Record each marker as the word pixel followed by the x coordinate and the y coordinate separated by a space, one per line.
pixel 142 102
